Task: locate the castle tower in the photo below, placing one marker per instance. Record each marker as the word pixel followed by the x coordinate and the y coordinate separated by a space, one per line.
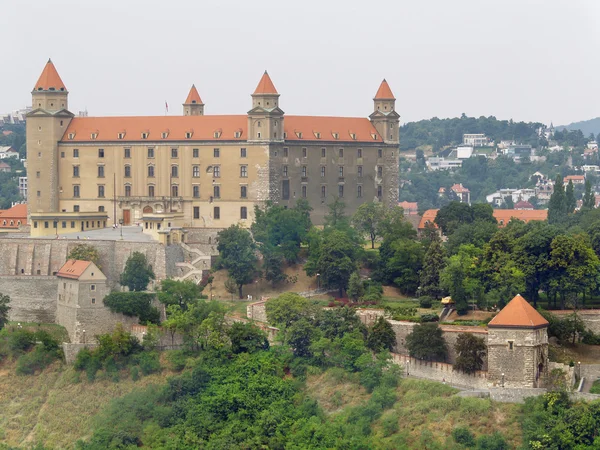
pixel 385 119
pixel 193 105
pixel 518 346
pixel 46 124
pixel 265 119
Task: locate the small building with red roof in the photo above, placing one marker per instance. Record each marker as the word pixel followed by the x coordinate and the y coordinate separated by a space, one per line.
pixel 523 205
pixel 14 217
pixel 409 208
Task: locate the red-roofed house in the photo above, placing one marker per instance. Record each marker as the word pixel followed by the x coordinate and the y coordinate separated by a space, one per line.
pixel 463 194
pixel 4 167
pixel 576 179
pixel 14 217
pixel 410 208
pixel 523 205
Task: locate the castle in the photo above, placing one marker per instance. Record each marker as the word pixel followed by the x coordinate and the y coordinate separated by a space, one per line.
pixel 198 170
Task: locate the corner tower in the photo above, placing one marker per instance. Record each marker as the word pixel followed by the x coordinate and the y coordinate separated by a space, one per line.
pixel 265 119
pixel 385 119
pixel 518 346
pixel 46 124
pixel 193 105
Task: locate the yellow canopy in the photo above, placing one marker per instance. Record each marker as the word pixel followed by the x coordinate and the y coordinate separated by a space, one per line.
pixel 447 301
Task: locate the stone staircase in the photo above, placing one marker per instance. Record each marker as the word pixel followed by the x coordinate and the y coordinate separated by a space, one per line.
pixel 193 270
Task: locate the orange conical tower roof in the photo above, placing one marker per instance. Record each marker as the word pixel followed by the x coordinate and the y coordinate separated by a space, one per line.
pixel 384 92
pixel 518 314
pixel 193 97
pixel 265 85
pixel 49 79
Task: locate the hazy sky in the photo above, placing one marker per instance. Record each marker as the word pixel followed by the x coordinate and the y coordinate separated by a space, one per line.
pixel 521 59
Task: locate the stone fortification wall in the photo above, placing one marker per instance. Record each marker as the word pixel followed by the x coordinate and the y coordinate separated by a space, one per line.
pixel 451 333
pixel 33 298
pixel 166 341
pixel 257 311
pixel 441 372
pixel 173 254
pixel 514 395
pixel 590 317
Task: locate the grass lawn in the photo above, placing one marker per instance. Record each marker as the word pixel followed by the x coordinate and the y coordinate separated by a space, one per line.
pixel 58 332
pixel 595 389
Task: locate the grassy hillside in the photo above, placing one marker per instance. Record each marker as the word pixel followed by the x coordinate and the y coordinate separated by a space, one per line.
pixel 586 126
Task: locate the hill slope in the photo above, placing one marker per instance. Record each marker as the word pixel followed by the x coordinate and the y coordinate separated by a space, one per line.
pixel 586 126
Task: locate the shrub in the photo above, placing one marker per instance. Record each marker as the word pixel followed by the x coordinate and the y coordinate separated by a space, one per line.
pixel 148 362
pixel 35 360
pixel 492 442
pixel 20 341
pixel 425 302
pixel 135 373
pixel 590 338
pixel 177 359
pixel 431 317
pixel 595 389
pixel 389 424
pixel 463 436
pixel 133 304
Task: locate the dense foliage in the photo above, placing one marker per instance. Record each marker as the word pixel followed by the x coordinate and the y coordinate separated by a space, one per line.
pixel 4 308
pixel 85 252
pixel 137 273
pixel 237 255
pixel 133 304
pixel 33 350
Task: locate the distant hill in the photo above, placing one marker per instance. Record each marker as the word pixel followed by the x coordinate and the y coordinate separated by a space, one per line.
pixel 586 126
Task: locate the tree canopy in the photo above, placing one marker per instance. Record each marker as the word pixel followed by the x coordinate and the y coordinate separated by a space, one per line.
pixel 237 252
pixel 137 273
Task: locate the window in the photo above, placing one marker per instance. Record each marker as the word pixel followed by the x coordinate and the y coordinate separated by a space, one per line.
pixel 243 191
pixel 174 171
pixel 304 171
pixel 92 287
pixel 379 171
pixel 216 153
pixel 101 191
pixel 244 171
pixel 145 135
pixel 359 153
pixel 100 153
pixel 286 152
pixel 359 191
pixel 195 153
pixel 75 171
pixel 127 190
pixel 285 171
pixel 510 345
pixel 72 224
pixel 323 152
pixel 303 191
pixel 127 171
pixel 217 191
pixel 39 193
pixel 151 190
pixel 75 153
pixel 285 189
pixel 379 153
pixel 304 152
pixel 150 152
pixel 150 171
pixel 379 192
pixel 62 154
pixel 101 208
pixel 322 171
pixel 127 153
pixel 341 152
pixel 76 191
pixel 258 135
pixel 173 153
pixel 195 171
pixel 216 212
pixel 196 191
pixel 174 190
pixel 341 171
pixel 341 190
pixel 75 208
pixel 34 226
pixel 46 224
pixel 243 212
pixel 359 171
pixel 188 134
pixel 323 191
pixel 217 171
pixel 100 171
pixel 93 301
pixel 196 212
pixel 242 152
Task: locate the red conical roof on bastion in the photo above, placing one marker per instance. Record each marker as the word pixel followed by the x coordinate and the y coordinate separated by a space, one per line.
pixel 193 97
pixel 518 314
pixel 49 79
pixel 265 85
pixel 384 92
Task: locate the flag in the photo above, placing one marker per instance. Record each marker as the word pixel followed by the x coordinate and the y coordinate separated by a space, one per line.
pixel 166 106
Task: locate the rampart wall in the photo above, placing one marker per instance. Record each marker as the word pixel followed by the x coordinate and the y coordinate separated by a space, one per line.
pixel 590 317
pixel 33 298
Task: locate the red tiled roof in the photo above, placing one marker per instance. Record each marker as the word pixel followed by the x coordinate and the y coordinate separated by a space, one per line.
pixel 522 204
pixel 16 212
pixel 193 97
pixel 459 188
pixel 3 165
pixel 518 314
pixel 297 128
pixel 428 218
pixel 503 216
pixel 73 268
pixel 384 92
pixel 408 205
pixel 574 178
pixel 49 79
pixel 265 85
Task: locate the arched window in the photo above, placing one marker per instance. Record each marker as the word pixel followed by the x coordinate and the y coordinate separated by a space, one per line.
pixel 150 171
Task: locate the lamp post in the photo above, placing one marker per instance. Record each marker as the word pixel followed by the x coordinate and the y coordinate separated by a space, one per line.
pixel 121 227
pixel 502 380
pixel 318 281
pixel 84 336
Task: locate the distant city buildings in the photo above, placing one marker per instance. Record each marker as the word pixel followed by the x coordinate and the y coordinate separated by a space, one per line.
pixel 438 163
pixel 23 187
pixel 410 208
pixel 8 152
pixel 462 194
pixel 475 140
pixel 464 151
pixel 15 117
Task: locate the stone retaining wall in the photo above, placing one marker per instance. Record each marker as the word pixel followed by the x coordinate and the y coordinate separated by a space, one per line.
pixel 33 298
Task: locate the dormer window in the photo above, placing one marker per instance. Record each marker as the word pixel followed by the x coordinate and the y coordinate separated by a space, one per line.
pixel 121 135
pixel 145 135
pixel 217 134
pixel 237 134
pixel 285 135
pixel 335 135
pixel 317 135
pixel 71 136
pixel 164 134
pixel 374 136
pixel 353 136
pixel 188 134
pixel 298 134
pixel 94 135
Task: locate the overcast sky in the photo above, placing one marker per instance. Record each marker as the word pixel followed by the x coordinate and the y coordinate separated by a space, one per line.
pixel 523 59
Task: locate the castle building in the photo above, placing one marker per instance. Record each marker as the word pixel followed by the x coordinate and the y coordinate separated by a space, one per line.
pixel 207 170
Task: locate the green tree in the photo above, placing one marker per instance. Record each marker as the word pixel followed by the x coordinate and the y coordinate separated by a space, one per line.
pixel 237 251
pixel 570 200
pixel 403 263
pixel 381 336
pixel 589 200
pixel 85 252
pixel 288 308
pixel 137 273
pixel 451 216
pixel 557 206
pixel 356 287
pixel 426 342
pixel 367 219
pixel 336 217
pixel 508 202
pixel 433 264
pixel 4 308
pixel 461 277
pixel 247 338
pixel 470 352
pixel 172 292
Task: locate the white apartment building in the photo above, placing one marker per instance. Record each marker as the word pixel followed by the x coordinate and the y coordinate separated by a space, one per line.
pixel 475 140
